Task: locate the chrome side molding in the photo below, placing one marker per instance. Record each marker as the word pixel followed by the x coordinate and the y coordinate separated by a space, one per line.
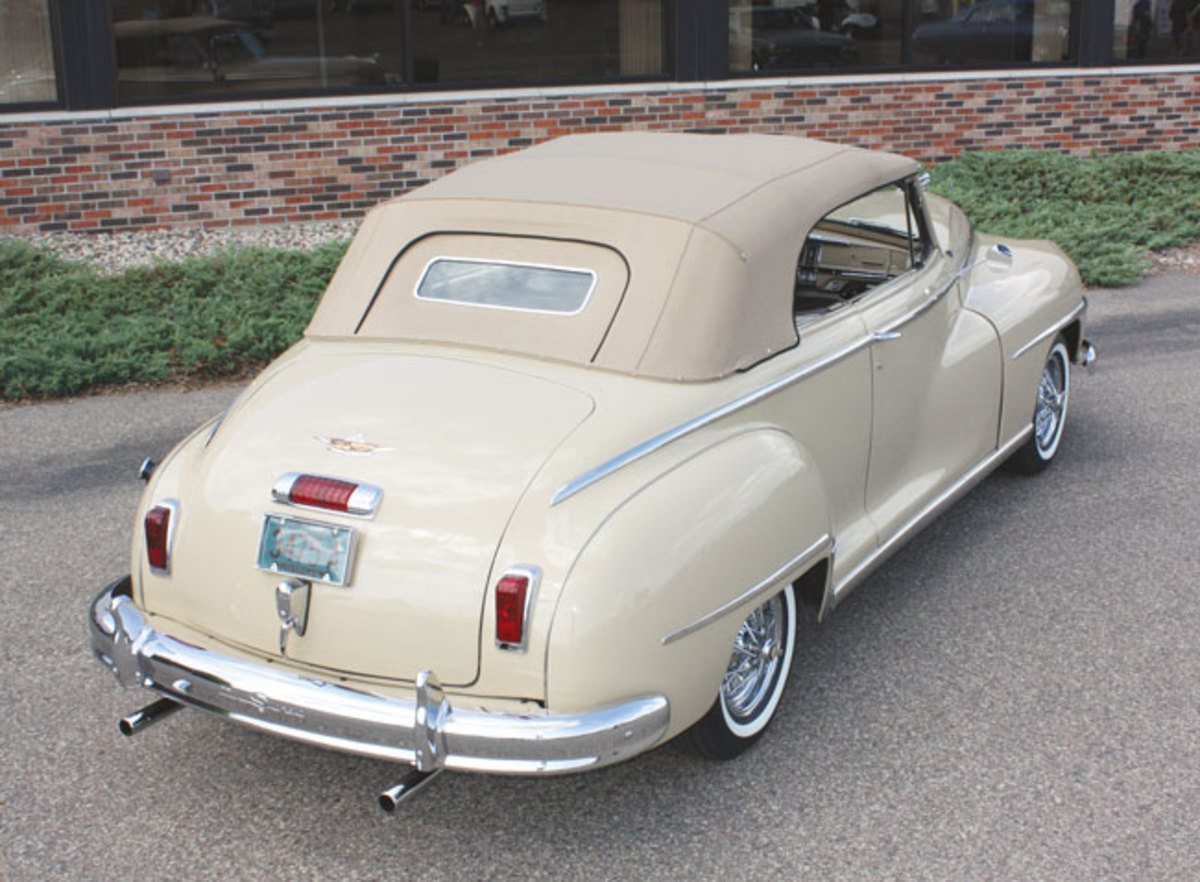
pixel 633 454
pixel 1053 329
pixel 836 593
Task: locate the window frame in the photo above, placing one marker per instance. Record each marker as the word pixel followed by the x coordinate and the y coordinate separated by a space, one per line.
pixel 914 208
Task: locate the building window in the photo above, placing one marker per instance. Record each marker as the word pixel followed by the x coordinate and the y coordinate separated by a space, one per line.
pixel 179 48
pixel 768 37
pixel 536 41
pixel 991 32
pixel 1156 30
pixel 26 53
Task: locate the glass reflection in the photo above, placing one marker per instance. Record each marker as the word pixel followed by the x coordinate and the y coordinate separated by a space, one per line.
pixel 1156 29
pixel 954 32
pixel 178 47
pixel 530 41
pixel 26 55
pixel 823 33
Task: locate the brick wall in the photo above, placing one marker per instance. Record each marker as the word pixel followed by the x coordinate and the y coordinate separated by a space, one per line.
pixel 277 163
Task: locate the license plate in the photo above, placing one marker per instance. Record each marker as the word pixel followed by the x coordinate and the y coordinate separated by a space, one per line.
pixel 310 550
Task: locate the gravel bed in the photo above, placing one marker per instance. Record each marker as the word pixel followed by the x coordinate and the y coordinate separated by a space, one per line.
pixel 1176 260
pixel 115 252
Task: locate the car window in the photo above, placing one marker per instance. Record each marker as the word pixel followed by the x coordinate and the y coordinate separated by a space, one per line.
pixel 548 297
pixel 503 285
pixel 857 246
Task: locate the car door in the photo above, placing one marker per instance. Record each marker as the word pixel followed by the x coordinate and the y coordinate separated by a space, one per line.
pixel 936 371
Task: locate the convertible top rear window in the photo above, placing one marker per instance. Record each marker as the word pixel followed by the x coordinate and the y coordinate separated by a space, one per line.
pixel 504 285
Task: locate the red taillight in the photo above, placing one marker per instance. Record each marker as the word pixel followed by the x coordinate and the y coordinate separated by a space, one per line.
pixel 512 595
pixel 322 492
pixel 158 534
pixel 331 494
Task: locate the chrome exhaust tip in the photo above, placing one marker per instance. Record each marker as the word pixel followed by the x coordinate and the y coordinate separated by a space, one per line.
pixel 147 716
pixel 408 787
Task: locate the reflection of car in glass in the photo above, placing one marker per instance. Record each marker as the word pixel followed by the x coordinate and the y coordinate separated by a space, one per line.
pixel 169 52
pixel 578 433
pixel 993 30
pixel 504 11
pixel 786 37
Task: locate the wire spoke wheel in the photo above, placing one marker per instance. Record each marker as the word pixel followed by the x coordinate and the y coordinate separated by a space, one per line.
pixel 1051 402
pixel 1049 412
pixel 754 663
pixel 753 682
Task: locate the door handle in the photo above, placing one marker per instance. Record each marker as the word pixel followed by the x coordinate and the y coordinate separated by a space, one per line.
pixel 880 336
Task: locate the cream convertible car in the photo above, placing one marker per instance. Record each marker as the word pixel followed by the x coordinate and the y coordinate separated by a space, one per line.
pixel 573 437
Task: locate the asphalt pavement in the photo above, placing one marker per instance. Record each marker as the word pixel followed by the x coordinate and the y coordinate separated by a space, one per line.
pixel 1015 695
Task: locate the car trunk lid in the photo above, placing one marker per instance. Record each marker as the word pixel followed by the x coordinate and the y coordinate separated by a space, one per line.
pixel 451 443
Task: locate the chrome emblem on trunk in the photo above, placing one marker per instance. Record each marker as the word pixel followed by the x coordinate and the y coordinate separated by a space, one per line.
pixel 355 445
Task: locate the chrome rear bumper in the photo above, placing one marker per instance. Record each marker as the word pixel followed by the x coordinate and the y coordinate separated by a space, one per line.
pixel 425 731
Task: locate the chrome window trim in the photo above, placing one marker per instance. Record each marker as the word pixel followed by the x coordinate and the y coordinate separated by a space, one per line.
pixel 800 562
pixel 645 448
pixel 534 575
pixel 587 298
pixel 1053 329
pixel 171 505
pixel 363 502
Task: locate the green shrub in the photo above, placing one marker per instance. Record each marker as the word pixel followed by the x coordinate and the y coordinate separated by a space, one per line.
pixel 1106 212
pixel 65 328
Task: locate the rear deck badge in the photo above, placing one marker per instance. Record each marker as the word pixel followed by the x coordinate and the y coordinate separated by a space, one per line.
pixel 355 445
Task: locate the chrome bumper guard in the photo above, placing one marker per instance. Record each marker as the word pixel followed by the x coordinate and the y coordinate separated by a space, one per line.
pixel 424 731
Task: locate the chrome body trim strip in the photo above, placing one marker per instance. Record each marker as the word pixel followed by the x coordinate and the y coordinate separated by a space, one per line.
pixel 800 562
pixel 888 330
pixel 1053 329
pixel 918 521
pixel 215 426
pixel 661 440
pixel 429 729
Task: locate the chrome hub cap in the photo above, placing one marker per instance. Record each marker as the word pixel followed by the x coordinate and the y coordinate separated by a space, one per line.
pixel 1051 400
pixel 754 663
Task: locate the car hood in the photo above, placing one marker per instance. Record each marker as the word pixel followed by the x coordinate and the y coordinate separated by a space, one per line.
pixel 452 444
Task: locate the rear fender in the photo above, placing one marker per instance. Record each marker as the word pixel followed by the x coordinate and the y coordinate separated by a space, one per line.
pixel 655 597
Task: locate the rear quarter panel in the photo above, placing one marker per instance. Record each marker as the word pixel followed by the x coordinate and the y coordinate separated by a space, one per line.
pixel 682 546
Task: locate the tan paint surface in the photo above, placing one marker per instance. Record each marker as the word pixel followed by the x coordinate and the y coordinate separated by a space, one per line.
pixel 482 436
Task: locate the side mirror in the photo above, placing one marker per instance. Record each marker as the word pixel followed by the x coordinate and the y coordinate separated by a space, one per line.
pixel 999 257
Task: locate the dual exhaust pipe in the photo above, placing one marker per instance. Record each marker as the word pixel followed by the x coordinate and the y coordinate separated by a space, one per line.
pixel 390 800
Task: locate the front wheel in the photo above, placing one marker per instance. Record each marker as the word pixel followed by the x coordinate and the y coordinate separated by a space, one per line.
pixel 753 682
pixel 1049 413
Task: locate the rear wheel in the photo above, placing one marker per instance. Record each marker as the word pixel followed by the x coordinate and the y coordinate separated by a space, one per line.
pixel 1049 413
pixel 753 683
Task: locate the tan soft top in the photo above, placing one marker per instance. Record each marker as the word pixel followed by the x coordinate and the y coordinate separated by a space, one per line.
pixel 695 236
